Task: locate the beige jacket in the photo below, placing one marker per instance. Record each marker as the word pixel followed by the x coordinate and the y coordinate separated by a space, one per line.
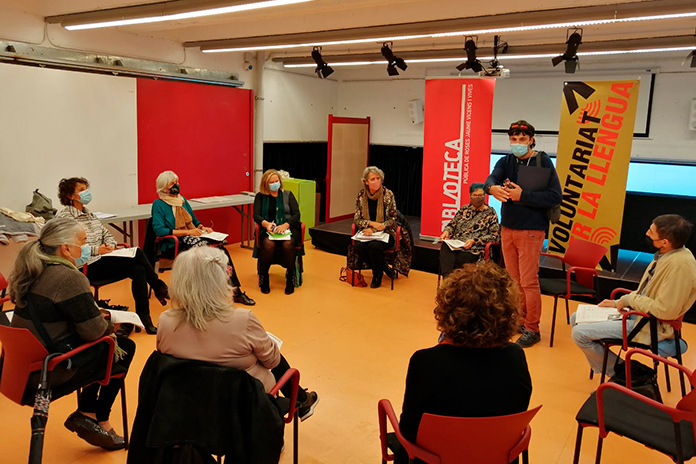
pixel 669 294
pixel 237 341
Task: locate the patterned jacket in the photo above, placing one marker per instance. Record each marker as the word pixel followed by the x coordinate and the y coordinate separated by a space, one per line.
pixel 481 226
pixel 403 257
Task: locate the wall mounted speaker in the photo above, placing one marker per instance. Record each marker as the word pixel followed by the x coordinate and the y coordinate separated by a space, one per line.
pixel 416 111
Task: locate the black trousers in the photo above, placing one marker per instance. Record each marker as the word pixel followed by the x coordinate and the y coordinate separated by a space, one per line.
pixel 138 269
pixel 99 399
pixel 267 252
pixel 372 254
pixel 278 372
pixel 451 260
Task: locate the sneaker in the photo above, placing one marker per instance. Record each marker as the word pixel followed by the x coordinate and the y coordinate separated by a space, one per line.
pixel 529 338
pixel 306 408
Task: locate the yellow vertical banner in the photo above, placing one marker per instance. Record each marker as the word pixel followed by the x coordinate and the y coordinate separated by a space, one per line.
pixel 594 149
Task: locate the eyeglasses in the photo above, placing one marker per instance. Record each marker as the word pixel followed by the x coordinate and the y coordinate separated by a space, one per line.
pixel 477 195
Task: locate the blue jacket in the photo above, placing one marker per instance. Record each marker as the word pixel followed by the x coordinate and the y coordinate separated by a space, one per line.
pixel 530 212
pixel 163 220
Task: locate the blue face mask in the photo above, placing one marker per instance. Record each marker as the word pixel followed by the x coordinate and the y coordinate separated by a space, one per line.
pixel 274 186
pixel 85 254
pixel 85 197
pixel 518 149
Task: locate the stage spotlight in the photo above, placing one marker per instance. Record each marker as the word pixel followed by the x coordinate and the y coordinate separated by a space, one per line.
pixel 471 61
pixel 691 55
pixel 393 61
pixel 323 70
pixel 571 54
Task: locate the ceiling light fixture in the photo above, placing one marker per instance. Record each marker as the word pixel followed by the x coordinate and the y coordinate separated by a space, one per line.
pixel 213 48
pixel 570 56
pixel 323 70
pixel 180 10
pixel 393 61
pixel 471 61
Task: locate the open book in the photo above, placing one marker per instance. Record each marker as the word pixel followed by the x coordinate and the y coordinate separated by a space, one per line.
pixel 124 317
pixel 454 244
pixel 215 236
pixel 593 313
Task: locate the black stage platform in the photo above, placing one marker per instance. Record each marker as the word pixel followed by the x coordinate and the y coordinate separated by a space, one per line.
pixel 335 237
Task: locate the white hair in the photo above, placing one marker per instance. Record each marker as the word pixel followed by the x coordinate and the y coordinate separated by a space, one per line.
pixel 200 287
pixel 165 178
pixel 372 169
pixel 35 255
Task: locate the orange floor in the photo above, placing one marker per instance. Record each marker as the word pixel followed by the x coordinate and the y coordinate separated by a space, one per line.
pixel 352 346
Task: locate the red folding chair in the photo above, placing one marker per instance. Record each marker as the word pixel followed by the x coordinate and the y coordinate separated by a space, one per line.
pixel 581 278
pixel 390 254
pixel 614 408
pixel 453 440
pixel 23 354
pixel 625 344
pixel 3 289
pixel 299 249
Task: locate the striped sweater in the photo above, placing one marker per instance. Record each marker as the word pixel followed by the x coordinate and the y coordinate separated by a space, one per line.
pixel 97 234
pixel 63 302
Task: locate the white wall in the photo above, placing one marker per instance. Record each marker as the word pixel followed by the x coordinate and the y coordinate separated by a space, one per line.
pixel 297 106
pixel 57 124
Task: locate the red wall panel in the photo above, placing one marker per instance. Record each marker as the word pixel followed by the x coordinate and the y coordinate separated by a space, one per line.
pixel 204 134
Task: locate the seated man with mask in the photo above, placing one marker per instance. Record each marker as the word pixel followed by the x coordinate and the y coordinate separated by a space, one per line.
pixel 667 290
pixel 475 224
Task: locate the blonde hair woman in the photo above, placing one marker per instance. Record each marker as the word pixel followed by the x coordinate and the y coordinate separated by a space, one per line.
pixel 172 215
pixel 47 288
pixel 204 325
pixel 276 211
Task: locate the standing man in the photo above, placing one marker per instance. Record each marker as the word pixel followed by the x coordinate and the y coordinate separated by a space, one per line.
pixel 667 290
pixel 526 194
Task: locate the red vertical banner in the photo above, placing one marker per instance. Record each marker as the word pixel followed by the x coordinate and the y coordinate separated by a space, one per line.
pixel 456 146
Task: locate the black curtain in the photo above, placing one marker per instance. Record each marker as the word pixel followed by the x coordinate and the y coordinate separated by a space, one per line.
pixel 303 160
pixel 402 166
pixel 403 174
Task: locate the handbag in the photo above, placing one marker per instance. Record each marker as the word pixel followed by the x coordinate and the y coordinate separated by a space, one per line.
pixel 41 206
pixel 352 277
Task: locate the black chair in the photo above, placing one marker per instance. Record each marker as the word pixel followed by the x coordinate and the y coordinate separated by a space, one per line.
pixel 219 410
pixel 615 408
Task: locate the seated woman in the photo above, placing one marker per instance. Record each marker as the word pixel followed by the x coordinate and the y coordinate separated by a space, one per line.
pixel 75 195
pixel 475 224
pixel 172 215
pixel 204 325
pixel 54 301
pixel 276 211
pixel 475 371
pixel 375 211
